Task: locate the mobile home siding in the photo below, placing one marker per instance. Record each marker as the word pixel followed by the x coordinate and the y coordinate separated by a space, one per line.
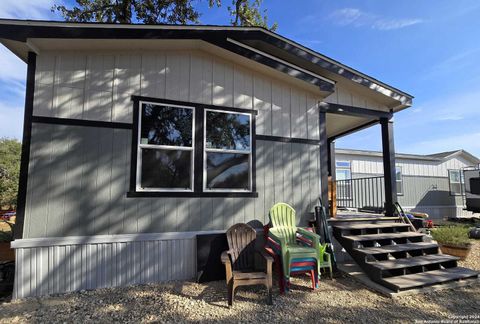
pixel 79 177
pixel 425 182
pixel 99 87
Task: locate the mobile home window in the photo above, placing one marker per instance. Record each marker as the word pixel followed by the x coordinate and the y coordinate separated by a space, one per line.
pixel 343 175
pixel 165 147
pixel 455 178
pixel 399 180
pixel 227 151
pixel 343 170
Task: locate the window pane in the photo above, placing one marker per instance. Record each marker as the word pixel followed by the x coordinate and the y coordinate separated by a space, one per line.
pixel 455 188
pixel 344 164
pixel 228 131
pixel 228 171
pixel 166 169
pixel 454 176
pixel 398 174
pixel 399 187
pixel 164 125
pixel 343 174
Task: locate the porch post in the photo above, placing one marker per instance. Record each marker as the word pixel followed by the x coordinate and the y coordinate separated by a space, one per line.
pixel 332 189
pixel 331 158
pixel 389 165
pixel 324 160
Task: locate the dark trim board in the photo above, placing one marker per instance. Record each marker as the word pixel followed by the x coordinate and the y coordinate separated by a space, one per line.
pixel 80 122
pixel 26 140
pixel 333 108
pixel 286 139
pixel 279 66
pixel 193 194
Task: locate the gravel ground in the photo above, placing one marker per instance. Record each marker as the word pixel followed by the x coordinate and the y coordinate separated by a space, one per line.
pixel 338 301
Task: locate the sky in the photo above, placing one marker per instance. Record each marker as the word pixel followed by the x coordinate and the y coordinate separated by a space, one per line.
pixel 428 48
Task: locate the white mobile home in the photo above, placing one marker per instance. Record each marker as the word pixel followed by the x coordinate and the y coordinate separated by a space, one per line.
pixel 431 184
pixel 137 139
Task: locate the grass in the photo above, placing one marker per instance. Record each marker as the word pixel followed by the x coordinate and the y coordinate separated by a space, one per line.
pixel 456 235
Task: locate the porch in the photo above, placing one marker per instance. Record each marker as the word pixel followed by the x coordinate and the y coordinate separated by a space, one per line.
pixel 356 197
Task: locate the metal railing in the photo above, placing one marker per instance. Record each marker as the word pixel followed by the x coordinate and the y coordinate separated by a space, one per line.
pixel 363 194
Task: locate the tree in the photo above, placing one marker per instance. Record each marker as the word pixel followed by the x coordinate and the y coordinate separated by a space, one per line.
pixel 10 151
pixel 243 12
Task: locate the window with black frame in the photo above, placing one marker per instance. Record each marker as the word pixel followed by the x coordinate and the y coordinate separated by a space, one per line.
pixel 227 151
pixel 165 148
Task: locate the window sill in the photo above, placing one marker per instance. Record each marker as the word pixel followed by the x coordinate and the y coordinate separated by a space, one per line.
pixel 147 194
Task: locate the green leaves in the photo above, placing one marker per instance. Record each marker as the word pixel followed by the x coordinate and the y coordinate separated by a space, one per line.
pixel 243 12
pixel 10 151
pixel 453 235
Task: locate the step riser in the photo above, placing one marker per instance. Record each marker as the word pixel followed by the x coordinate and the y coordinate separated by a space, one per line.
pixel 371 243
pixel 416 269
pixel 400 254
pixel 388 230
pixel 378 274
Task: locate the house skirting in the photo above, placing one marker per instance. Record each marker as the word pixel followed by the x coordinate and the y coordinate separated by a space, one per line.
pixel 58 265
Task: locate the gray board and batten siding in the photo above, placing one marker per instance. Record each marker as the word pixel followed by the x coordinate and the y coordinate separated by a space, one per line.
pixel 81 231
pixel 86 169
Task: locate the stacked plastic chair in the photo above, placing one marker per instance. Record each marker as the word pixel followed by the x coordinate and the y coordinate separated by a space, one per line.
pixel 298 249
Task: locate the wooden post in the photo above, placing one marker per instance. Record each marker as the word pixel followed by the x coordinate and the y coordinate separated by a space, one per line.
pixel 389 165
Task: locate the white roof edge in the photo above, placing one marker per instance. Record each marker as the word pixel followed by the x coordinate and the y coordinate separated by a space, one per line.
pixel 470 156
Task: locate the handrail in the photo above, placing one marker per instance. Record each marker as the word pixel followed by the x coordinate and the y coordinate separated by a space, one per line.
pixel 403 216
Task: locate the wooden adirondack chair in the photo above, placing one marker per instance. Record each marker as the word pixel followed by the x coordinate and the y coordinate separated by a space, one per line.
pixel 239 261
pixel 293 244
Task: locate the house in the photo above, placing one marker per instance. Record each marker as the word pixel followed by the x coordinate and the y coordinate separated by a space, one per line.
pixel 139 138
pixel 431 184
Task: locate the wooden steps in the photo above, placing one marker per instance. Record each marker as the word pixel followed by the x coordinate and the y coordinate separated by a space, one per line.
pixel 398 248
pixel 394 256
pixel 357 226
pixel 413 262
pixel 428 278
pixel 383 236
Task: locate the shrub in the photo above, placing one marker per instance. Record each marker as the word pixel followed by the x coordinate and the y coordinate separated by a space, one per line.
pixel 451 235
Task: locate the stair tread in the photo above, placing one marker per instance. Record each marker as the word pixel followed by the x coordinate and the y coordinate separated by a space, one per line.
pixel 368 226
pixel 430 277
pixel 340 219
pixel 412 262
pixel 371 237
pixel 397 248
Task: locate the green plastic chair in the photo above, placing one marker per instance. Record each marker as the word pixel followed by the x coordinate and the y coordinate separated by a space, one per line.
pixel 284 233
pixel 325 260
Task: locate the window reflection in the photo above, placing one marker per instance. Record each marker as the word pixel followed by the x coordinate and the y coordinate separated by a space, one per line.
pixel 166 169
pixel 228 131
pixel 165 125
pixel 228 171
